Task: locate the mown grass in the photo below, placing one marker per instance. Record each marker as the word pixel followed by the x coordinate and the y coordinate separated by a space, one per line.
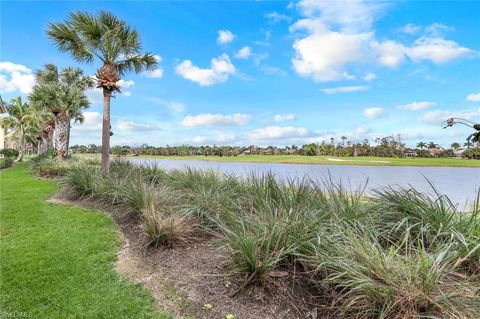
pixel 398 254
pixel 57 261
pixel 327 160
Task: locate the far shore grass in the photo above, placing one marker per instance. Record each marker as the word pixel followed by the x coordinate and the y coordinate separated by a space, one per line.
pixel 326 160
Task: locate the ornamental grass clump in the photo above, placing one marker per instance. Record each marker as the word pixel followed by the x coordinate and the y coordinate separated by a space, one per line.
pixel 82 181
pixel 367 280
pixel 161 222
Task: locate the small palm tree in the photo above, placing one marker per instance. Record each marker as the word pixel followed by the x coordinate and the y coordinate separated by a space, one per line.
pixel 421 145
pixel 114 44
pixel 63 94
pixel 20 116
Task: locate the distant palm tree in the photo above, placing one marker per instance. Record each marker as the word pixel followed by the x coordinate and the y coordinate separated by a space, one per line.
pixel 455 145
pixel 468 144
pixel 63 94
pixel 114 44
pixel 343 138
pixel 432 145
pixel 20 116
pixel 421 145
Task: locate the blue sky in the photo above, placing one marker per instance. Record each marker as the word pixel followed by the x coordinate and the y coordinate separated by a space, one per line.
pixel 270 72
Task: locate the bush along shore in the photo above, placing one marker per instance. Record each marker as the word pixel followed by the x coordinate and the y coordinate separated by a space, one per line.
pixel 396 253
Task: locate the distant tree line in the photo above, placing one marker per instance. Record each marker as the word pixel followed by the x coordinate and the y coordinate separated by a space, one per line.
pixel 381 147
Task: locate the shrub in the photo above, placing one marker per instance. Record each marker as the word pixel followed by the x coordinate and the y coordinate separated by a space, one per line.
pixel 6 162
pixel 471 153
pixel 52 168
pixel 9 152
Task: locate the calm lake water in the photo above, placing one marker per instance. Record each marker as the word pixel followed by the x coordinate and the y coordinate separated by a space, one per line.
pixel 458 183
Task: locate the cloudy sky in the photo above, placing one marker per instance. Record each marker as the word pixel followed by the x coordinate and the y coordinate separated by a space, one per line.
pixel 271 72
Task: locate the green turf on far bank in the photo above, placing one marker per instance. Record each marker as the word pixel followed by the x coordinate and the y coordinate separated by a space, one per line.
pixel 331 160
pixel 57 261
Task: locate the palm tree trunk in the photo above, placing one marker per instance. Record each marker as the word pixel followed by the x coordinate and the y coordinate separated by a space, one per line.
pixel 106 129
pixel 68 135
pixel 62 121
pixel 21 143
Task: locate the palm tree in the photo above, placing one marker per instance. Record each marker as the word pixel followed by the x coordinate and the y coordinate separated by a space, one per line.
pixel 455 145
pixel 63 94
pixel 20 116
pixel 421 145
pixel 343 138
pixel 432 145
pixel 114 44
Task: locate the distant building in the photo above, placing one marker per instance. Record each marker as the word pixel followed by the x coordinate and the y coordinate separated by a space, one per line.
pixel 435 151
pixel 409 153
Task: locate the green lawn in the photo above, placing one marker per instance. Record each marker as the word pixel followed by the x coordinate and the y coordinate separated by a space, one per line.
pixel 374 161
pixel 57 261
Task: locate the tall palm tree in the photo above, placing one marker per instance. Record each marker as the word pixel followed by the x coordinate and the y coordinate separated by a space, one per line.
pixel 20 117
pixel 114 44
pixel 63 94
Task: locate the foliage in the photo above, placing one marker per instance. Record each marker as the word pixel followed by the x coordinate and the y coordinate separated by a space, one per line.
pixel 472 153
pixel 6 162
pixel 9 152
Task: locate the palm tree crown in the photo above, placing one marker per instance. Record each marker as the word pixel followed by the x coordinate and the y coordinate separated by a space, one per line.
pixel 63 94
pixel 106 38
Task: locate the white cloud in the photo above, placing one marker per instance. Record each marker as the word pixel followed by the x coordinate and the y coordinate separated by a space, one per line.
pixel 349 16
pixel 219 71
pixel 277 132
pixel 244 53
pixel 276 17
pixel 208 119
pixel 158 72
pixel 345 89
pixel 373 112
pixel 474 97
pixel 370 76
pixel 436 50
pixel 225 36
pixel 268 69
pixel 415 106
pixel 437 117
pixel 390 53
pixel 125 84
pixel 16 77
pixel 92 121
pixel 130 126
pixel 338 34
pixel 284 117
pixel 410 28
pixel 324 54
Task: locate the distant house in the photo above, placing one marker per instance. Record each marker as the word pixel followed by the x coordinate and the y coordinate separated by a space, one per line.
pixel 409 153
pixel 247 152
pixel 459 152
pixel 435 151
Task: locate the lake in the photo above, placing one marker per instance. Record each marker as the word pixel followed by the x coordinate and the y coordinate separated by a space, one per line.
pixel 458 183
